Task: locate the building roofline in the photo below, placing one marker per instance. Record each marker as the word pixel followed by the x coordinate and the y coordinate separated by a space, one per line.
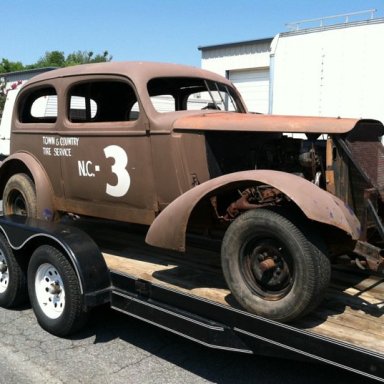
pixel 350 24
pixel 291 33
pixel 27 71
pixel 235 44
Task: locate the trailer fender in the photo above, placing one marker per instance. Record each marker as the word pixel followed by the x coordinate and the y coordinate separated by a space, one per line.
pixel 25 234
pixel 20 161
pixel 169 228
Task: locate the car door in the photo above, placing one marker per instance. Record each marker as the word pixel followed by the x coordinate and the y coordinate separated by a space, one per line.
pixel 105 152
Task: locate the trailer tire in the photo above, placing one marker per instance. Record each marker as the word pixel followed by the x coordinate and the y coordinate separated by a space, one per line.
pixel 19 197
pixel 13 281
pixel 272 268
pixel 54 292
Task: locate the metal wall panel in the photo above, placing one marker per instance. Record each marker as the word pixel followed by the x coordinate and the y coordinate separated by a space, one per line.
pixel 334 71
pixel 253 85
pixel 223 59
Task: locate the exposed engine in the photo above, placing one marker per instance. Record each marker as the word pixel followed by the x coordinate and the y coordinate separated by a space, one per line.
pixel 233 152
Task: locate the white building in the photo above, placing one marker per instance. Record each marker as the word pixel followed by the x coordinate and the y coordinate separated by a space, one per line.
pixel 333 70
pixel 246 64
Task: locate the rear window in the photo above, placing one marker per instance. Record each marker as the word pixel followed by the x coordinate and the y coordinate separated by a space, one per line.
pixel 39 106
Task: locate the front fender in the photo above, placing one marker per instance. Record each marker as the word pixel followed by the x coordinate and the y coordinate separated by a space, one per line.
pixel 169 228
pixel 44 191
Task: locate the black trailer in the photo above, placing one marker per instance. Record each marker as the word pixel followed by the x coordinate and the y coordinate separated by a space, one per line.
pixel 70 267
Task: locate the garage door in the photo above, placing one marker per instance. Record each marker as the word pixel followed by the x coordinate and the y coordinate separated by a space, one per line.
pixel 253 85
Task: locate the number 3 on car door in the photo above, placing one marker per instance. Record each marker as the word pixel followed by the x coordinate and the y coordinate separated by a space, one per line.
pixel 119 169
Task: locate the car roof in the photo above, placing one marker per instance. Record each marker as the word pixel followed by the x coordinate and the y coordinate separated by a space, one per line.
pixel 137 71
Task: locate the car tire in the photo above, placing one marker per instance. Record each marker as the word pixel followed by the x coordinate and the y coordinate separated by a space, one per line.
pixel 19 197
pixel 13 281
pixel 272 268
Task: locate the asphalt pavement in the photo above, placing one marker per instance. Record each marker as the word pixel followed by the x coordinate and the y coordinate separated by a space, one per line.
pixel 115 348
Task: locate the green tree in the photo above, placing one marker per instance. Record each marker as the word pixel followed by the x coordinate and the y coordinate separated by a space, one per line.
pixel 85 57
pixel 10 66
pixel 58 59
pixel 3 97
pixel 51 59
pixel 101 58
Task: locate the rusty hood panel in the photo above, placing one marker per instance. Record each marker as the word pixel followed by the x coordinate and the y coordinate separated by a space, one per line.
pixel 168 229
pixel 231 121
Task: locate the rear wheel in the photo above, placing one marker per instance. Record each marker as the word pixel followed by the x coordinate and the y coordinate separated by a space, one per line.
pixel 54 292
pixel 19 197
pixel 271 267
pixel 13 282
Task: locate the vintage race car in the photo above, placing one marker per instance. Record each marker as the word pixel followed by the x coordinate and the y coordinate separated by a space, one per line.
pixel 173 147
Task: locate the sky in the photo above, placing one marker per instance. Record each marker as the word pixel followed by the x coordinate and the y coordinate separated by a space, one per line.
pixel 152 30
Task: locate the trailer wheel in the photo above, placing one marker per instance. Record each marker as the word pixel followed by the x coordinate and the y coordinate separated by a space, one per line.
pixel 13 282
pixel 19 197
pixel 271 267
pixel 54 292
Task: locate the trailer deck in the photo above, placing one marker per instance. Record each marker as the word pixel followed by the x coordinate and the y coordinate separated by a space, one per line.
pixel 351 316
pixel 352 310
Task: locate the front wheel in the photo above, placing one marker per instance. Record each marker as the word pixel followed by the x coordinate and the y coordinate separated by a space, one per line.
pixel 54 292
pixel 271 267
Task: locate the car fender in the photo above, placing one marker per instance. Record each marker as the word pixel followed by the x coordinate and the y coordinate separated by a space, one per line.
pixel 169 228
pixel 44 191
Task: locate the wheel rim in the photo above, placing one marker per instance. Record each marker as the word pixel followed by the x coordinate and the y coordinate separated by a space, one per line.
pixel 4 273
pixel 50 291
pixel 267 268
pixel 16 204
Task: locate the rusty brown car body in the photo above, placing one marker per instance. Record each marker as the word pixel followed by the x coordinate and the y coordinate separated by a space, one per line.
pixel 174 148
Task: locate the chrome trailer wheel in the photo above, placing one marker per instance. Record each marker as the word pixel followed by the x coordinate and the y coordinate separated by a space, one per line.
pixel 54 291
pixel 50 292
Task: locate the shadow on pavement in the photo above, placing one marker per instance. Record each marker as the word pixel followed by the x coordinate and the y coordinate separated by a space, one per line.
pixel 209 364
